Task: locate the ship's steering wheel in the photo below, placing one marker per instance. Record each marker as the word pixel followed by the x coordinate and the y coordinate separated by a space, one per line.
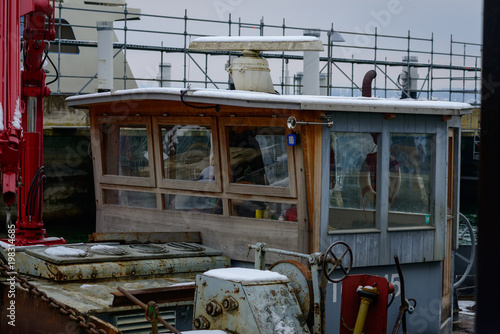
pixel 466 233
pixel 331 261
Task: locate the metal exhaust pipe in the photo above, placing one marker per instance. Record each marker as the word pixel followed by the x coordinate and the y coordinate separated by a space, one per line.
pixel 366 90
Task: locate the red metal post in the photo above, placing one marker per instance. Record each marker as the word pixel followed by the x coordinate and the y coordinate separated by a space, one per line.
pixel 21 130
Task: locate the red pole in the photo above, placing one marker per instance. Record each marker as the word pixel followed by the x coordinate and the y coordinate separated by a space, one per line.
pixel 21 127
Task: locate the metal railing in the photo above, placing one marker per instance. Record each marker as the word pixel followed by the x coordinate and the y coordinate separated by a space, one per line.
pixel 444 75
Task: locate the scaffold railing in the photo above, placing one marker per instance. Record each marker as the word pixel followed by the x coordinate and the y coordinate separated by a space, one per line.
pixel 442 72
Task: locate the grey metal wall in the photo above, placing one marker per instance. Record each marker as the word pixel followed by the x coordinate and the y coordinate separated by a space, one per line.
pixel 377 247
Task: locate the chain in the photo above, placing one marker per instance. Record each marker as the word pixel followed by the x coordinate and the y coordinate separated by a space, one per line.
pixel 80 318
pixel 345 325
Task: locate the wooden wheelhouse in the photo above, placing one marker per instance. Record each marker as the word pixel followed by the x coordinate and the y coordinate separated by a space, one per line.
pixel 384 178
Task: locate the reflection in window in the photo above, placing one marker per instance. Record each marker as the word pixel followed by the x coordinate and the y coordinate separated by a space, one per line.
pixel 193 203
pixel 187 153
pixel 125 150
pixel 129 198
pixel 264 210
pixel 353 162
pixel 411 205
pixel 258 155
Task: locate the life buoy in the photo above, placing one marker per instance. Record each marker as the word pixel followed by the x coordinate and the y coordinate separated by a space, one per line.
pixel 367 178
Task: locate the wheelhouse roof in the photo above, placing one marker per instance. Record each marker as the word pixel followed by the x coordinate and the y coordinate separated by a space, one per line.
pixel 274 101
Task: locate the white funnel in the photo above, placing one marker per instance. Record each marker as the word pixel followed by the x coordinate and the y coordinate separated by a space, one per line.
pixel 104 56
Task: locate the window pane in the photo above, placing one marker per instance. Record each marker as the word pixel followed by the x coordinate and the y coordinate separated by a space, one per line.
pixel 129 198
pixel 410 195
pixel 187 153
pixel 125 150
pixel 193 203
pixel 258 155
pixel 353 167
pixel 264 210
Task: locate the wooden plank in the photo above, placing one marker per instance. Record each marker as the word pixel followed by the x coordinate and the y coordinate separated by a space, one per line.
pixel 448 260
pixel 176 108
pixel 144 237
pixel 258 189
pixel 407 247
pixel 127 180
pixel 361 250
pixel 375 123
pixel 410 123
pixel 418 244
pixel 96 159
pixel 303 213
pixel 353 122
pixel 339 121
pixel 362 246
pixel 372 244
pixel 428 248
pixel 232 235
pixel 439 193
pixel 316 194
pixel 383 157
pixel 308 140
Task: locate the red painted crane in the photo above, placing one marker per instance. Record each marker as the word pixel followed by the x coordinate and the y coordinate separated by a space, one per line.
pixel 21 113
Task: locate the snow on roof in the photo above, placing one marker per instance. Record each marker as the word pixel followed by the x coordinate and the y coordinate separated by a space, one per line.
pixel 256 39
pixel 245 275
pixel 260 43
pixel 263 100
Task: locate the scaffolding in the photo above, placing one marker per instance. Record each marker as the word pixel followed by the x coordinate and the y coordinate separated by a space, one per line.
pixel 453 74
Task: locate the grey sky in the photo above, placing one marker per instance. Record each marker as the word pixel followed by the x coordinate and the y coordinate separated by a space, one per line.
pixel 460 18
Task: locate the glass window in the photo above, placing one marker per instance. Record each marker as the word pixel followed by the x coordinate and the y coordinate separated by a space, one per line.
pixel 187 153
pixel 258 155
pixel 125 150
pixel 411 176
pixel 129 198
pixel 353 168
pixel 264 210
pixel 193 203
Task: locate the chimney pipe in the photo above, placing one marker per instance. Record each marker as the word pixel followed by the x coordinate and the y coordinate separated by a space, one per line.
pixel 367 83
pixel 310 80
pixel 104 56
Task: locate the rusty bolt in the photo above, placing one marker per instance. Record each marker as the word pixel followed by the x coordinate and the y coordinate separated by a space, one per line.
pixel 229 303
pixel 213 308
pixel 201 323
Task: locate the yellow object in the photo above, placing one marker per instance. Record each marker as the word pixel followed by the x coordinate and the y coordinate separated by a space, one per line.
pixel 259 214
pixel 367 295
pixel 363 311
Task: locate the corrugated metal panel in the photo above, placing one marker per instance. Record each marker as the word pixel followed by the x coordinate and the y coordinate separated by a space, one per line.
pixel 137 324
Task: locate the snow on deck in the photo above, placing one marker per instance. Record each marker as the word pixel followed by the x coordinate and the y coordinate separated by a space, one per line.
pixel 64 251
pixel 245 275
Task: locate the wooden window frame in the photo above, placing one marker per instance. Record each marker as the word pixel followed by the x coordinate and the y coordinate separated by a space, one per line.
pixel 251 189
pixel 158 121
pixel 118 179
